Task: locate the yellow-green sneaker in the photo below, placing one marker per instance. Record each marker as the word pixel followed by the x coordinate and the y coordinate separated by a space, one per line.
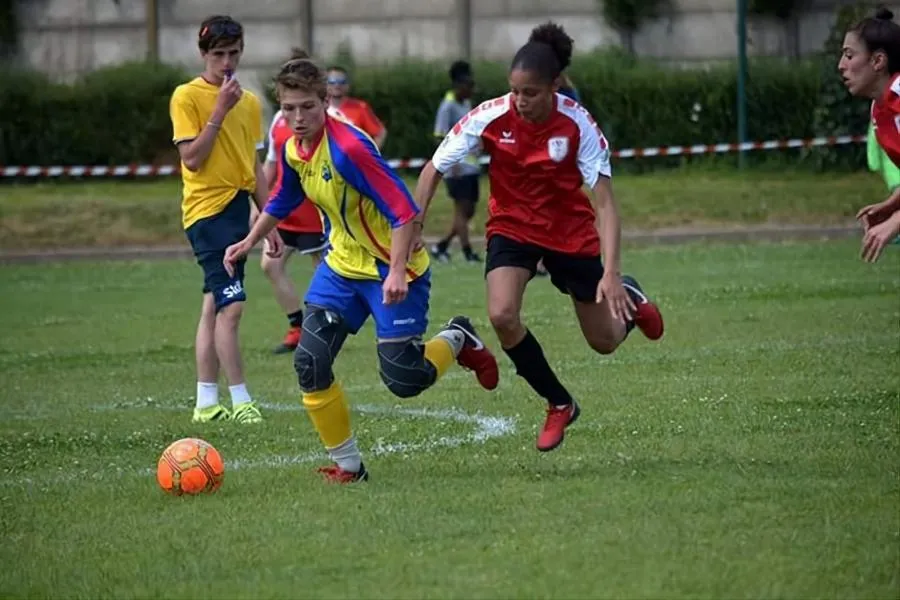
pixel 246 413
pixel 216 412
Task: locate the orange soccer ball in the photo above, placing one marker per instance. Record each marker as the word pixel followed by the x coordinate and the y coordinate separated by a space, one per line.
pixel 190 466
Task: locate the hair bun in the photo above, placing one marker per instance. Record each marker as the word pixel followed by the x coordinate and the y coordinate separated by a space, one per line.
pixel 556 37
pixel 884 14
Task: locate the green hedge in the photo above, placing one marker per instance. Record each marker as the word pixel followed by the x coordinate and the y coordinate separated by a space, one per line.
pixel 120 114
pixel 114 115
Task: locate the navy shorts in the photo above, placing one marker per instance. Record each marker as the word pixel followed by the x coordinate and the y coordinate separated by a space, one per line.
pixel 577 276
pixel 355 299
pixel 463 189
pixel 210 237
pixel 303 242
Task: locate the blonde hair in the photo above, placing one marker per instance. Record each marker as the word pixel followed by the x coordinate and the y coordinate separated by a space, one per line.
pixel 304 75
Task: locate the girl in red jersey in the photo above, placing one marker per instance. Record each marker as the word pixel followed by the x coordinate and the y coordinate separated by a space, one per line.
pixel 544 148
pixel 870 68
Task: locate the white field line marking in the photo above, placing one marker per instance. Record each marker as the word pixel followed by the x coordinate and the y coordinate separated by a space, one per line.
pixel 486 428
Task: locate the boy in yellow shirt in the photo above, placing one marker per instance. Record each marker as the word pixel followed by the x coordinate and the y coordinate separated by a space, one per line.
pixel 218 130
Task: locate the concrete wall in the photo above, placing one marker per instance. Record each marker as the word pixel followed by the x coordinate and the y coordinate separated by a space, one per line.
pixel 67 37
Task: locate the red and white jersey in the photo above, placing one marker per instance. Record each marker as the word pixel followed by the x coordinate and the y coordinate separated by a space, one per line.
pixel 305 218
pixel 886 119
pixel 537 171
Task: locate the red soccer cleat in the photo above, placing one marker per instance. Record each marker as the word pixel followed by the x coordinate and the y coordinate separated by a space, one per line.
pixel 647 317
pixel 335 474
pixel 290 342
pixel 475 356
pixel 558 418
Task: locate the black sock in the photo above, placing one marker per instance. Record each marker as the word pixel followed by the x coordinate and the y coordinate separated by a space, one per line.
pixel 296 318
pixel 467 250
pixel 531 365
pixel 443 245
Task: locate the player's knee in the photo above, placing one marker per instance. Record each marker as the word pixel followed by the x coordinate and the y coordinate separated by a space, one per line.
pixel 321 338
pixel 504 317
pixel 403 368
pixel 272 268
pixel 230 314
pixel 602 344
pixel 469 209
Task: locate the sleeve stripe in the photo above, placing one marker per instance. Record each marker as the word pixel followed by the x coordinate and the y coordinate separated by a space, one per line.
pixel 371 176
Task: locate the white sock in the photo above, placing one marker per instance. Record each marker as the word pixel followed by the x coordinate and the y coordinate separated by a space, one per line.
pixel 347 456
pixel 207 394
pixel 239 394
pixel 455 337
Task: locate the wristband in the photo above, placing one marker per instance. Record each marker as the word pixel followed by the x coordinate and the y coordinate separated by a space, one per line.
pixel 214 125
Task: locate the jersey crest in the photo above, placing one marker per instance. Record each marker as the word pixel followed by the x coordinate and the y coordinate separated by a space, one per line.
pixel 558 148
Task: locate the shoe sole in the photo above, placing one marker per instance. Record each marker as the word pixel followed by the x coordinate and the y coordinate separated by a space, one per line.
pixel 563 436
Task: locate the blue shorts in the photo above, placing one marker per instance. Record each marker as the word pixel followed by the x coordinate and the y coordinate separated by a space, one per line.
pixel 210 237
pixel 355 299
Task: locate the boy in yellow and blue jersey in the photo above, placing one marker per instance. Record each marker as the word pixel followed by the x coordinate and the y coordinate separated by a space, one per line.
pixel 368 269
pixel 217 128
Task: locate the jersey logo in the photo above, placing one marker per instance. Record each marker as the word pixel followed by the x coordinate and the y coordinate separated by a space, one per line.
pixel 558 148
pixel 326 173
pixel 506 137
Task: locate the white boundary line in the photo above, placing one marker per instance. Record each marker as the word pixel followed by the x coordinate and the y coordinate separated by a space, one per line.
pixel 486 428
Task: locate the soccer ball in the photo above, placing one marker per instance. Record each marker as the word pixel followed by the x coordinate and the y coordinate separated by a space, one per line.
pixel 190 466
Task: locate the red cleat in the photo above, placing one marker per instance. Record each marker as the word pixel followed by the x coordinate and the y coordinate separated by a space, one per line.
pixel 475 356
pixel 335 474
pixel 290 342
pixel 558 418
pixel 647 318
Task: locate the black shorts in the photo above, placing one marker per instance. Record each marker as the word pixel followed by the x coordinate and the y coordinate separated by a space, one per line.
pixel 210 237
pixel 577 276
pixel 463 189
pixel 303 242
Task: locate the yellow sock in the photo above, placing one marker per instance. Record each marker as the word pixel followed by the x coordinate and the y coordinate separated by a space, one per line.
pixel 329 414
pixel 439 352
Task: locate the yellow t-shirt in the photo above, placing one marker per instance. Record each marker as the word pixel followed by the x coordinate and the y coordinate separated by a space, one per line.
pixel 231 166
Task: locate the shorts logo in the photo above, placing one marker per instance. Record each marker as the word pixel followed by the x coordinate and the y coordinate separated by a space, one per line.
pixel 558 148
pixel 233 290
pixel 408 321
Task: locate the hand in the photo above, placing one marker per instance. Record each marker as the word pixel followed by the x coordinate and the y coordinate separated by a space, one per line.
pixel 874 214
pixel 394 287
pixel 610 289
pixel 229 95
pixel 274 244
pixel 235 253
pixel 878 236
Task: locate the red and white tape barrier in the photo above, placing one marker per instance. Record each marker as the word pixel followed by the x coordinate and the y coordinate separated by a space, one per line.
pixel 415 163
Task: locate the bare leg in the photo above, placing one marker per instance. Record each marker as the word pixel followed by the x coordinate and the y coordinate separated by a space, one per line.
pixel 276 273
pixel 601 330
pixel 226 340
pixel 205 342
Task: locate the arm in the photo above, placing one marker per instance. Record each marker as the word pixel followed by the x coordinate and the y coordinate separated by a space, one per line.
pixel 462 139
pixel 609 227
pixel 270 166
pixel 194 139
pixel 375 125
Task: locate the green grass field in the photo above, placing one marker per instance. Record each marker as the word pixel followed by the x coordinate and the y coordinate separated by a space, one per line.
pixel 115 213
pixel 753 453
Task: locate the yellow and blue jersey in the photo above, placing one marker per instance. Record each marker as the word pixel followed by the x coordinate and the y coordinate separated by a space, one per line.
pixel 361 200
